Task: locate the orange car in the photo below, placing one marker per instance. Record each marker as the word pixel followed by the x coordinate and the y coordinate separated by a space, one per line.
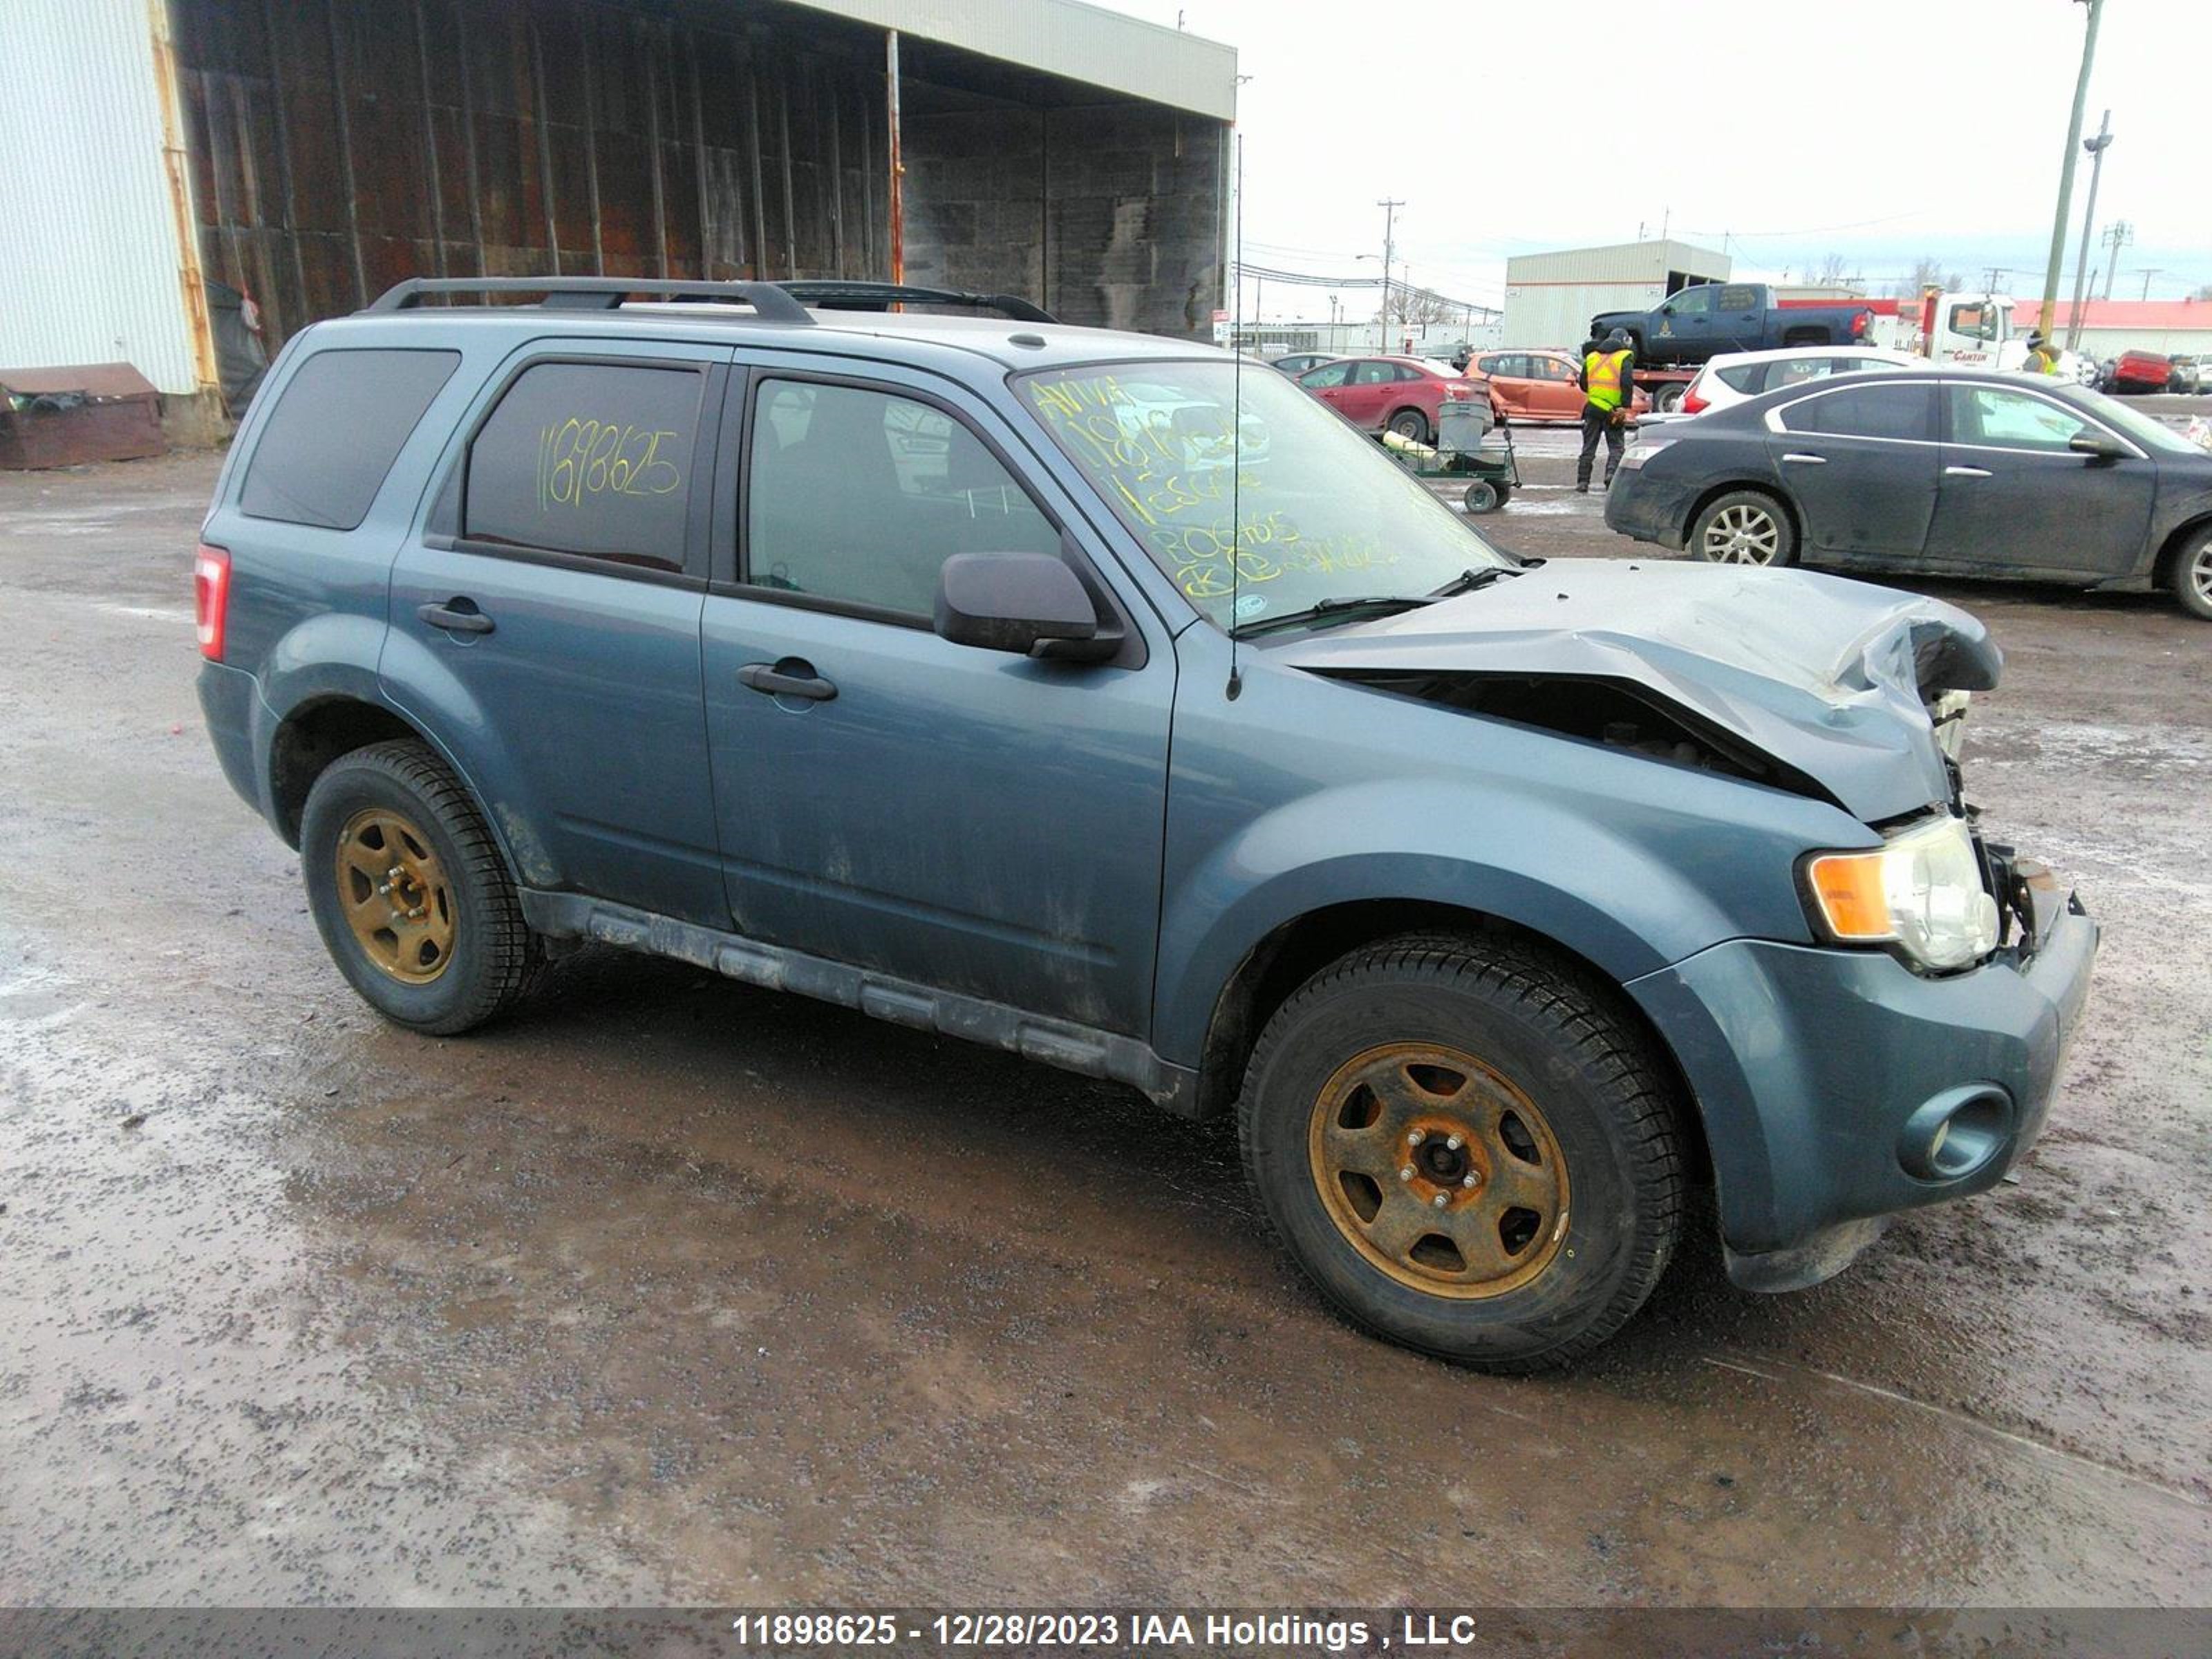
pixel 1537 385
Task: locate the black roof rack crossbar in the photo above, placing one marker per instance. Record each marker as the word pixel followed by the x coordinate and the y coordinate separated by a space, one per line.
pixel 835 295
pixel 769 302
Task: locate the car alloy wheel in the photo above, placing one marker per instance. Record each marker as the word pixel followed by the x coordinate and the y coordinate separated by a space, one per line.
pixel 396 899
pixel 1438 1171
pixel 2193 576
pixel 1742 534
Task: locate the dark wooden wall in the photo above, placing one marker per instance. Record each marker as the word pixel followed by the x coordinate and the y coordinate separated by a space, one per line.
pixel 338 146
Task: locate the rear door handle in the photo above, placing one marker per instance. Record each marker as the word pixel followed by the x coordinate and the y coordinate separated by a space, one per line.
pixel 457 615
pixel 770 680
pixel 1966 472
pixel 1809 461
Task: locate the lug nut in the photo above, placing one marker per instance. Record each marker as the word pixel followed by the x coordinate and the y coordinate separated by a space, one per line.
pixel 1406 1173
pixel 1466 1180
pixel 1413 1137
pixel 1443 1199
pixel 1453 1142
pixel 384 887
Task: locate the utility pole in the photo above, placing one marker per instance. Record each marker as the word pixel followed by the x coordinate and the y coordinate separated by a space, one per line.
pixel 2049 318
pixel 1389 247
pixel 2096 149
pixel 2147 275
pixel 2119 235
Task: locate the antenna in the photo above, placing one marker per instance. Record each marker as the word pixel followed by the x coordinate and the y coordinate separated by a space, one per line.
pixel 1235 686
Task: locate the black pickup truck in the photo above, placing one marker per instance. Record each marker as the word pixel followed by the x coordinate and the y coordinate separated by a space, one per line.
pixel 1701 322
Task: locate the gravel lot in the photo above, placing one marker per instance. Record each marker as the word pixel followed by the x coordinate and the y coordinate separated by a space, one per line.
pixel 671 1290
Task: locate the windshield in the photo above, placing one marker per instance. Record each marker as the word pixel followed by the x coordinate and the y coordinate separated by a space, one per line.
pixel 2143 427
pixel 1321 514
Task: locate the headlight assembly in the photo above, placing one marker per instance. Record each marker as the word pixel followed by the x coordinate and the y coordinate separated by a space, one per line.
pixel 1921 891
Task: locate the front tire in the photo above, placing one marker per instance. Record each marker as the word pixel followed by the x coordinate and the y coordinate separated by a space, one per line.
pixel 1483 496
pixel 409 892
pixel 2192 576
pixel 1468 1148
pixel 1745 526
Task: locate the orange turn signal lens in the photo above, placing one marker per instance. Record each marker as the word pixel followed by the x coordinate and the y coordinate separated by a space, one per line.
pixel 1848 889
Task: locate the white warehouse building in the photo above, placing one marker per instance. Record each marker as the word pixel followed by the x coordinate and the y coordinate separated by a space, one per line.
pixel 1551 297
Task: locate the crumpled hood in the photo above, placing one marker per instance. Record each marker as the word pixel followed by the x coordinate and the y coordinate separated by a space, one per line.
pixel 1823 674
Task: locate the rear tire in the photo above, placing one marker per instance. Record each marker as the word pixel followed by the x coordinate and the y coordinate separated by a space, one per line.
pixel 1668 397
pixel 1483 496
pixel 2193 575
pixel 1745 526
pixel 441 946
pixel 1561 1197
pixel 1410 424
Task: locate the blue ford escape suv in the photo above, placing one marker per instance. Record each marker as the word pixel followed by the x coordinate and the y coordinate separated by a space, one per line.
pixel 1092 695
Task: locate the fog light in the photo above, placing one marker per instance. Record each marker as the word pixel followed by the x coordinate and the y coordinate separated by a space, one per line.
pixel 1956 1132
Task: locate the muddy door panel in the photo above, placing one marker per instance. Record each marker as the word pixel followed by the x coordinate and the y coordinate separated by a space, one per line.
pixel 546 625
pixel 973 819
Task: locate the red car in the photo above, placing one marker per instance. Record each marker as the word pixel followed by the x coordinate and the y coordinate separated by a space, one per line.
pixel 1538 385
pixel 1389 394
pixel 2141 371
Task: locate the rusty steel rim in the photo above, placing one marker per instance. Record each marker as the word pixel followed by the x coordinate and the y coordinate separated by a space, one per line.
pixel 395 895
pixel 1440 1172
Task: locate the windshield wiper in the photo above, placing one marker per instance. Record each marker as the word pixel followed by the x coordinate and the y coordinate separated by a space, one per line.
pixel 1467 580
pixel 1371 603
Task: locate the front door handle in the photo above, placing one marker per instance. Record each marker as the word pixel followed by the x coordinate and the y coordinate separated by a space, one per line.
pixel 771 680
pixel 456 616
pixel 1809 461
pixel 1966 472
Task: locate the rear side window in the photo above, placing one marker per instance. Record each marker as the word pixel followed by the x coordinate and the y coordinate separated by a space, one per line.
pixel 1868 411
pixel 1738 299
pixel 588 458
pixel 335 433
pixel 1742 377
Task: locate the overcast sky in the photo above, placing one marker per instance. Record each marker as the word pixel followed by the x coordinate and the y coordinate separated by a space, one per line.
pixel 1778 129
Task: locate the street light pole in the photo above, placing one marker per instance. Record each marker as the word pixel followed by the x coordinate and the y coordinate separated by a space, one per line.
pixel 2096 148
pixel 2121 233
pixel 1390 219
pixel 2049 318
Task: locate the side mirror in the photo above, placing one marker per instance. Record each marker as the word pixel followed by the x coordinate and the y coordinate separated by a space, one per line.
pixel 2096 447
pixel 1030 603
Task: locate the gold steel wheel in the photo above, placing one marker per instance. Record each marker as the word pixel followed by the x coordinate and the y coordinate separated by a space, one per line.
pixel 1439 1171
pixel 395 896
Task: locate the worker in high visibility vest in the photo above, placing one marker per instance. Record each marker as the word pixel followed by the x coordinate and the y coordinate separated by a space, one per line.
pixel 2041 359
pixel 1608 382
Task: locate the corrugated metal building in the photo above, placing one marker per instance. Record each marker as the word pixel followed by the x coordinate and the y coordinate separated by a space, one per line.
pixel 313 152
pixel 1551 297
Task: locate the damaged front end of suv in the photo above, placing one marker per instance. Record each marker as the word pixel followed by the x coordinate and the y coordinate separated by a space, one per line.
pixel 1902 1047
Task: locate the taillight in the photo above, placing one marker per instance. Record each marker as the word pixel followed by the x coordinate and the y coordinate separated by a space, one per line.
pixel 1859 323
pixel 210 598
pixel 1694 401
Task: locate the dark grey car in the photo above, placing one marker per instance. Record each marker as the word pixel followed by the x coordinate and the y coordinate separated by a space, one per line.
pixel 1960 473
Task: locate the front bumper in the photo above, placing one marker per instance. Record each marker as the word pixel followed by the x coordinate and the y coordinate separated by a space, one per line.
pixel 1808 1063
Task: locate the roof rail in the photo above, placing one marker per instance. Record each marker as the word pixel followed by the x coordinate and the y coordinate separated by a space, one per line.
pixel 831 294
pixel 770 302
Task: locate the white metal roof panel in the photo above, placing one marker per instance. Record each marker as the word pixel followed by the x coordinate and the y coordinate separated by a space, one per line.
pixel 1065 37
